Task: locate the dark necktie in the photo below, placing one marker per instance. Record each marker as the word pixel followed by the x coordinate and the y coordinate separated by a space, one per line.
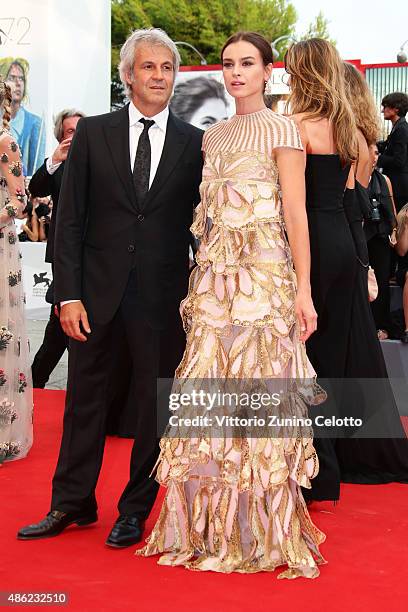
pixel 141 168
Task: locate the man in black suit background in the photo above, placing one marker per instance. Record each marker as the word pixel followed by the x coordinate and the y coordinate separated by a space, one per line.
pixel 47 181
pixel 130 185
pixel 393 157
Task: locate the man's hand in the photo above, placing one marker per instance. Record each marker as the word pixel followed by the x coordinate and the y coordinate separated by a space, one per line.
pixel 61 152
pixel 72 317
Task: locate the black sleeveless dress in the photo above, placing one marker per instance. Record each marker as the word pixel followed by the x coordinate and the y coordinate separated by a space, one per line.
pixel 345 344
pixel 334 270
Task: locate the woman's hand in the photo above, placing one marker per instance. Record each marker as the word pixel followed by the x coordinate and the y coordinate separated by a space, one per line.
pixel 305 314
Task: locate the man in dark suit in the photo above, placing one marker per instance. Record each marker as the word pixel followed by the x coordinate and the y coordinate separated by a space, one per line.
pixel 47 181
pixel 393 157
pixel 130 184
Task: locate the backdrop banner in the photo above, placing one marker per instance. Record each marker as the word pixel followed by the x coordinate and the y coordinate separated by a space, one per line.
pixel 37 277
pixel 54 54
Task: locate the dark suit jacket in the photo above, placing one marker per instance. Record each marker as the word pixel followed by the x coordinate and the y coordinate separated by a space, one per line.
pixel 394 160
pixel 43 184
pixel 102 233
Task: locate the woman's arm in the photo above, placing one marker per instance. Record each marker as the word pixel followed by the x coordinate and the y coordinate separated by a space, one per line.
pixel 402 237
pixel 351 179
pixel 32 232
pixel 387 180
pixel 393 235
pixel 42 236
pixel 291 167
pixel 12 170
pixel 363 172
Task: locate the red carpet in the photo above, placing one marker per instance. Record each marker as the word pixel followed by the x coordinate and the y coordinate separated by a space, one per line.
pixel 366 547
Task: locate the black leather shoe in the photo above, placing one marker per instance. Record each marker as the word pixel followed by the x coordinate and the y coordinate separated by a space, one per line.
pixel 54 523
pixel 404 337
pixel 126 531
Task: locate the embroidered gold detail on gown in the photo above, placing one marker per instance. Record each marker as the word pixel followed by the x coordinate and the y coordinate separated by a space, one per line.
pixel 235 504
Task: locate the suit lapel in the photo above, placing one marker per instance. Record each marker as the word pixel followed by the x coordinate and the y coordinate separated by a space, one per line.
pixel 117 138
pixel 174 144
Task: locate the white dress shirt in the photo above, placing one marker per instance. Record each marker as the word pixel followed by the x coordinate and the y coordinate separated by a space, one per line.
pixel 51 168
pixel 157 135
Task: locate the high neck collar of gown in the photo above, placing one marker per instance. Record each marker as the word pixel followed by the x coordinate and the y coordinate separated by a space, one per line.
pixel 244 116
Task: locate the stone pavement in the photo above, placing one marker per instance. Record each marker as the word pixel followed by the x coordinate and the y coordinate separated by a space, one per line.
pixel 58 378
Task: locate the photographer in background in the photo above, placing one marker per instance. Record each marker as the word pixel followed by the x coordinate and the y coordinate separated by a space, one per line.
pixel 47 182
pixel 43 212
pixel 393 157
pixel 30 229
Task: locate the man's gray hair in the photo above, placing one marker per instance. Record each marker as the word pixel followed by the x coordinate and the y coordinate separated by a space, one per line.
pixel 60 118
pixel 150 36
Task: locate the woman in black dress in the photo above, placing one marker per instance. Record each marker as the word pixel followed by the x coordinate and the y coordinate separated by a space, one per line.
pixel 345 344
pixel 379 209
pixel 382 459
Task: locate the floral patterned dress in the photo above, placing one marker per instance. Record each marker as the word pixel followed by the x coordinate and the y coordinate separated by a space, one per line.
pixel 235 504
pixel 16 396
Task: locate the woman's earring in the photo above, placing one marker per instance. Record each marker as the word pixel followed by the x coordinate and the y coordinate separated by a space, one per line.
pixel 268 88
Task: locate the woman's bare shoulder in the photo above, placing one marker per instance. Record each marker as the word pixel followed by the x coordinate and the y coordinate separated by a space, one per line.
pixel 298 118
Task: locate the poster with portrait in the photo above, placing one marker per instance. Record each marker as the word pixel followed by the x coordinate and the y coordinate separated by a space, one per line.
pixel 23 64
pixel 200 96
pixel 53 56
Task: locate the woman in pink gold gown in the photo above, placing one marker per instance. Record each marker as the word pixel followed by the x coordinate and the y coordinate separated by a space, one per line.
pixel 235 504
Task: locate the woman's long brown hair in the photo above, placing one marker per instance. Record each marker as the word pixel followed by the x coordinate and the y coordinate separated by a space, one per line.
pixel 5 102
pixel 362 103
pixel 318 90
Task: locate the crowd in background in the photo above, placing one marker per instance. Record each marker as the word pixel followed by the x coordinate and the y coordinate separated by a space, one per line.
pixel 37 219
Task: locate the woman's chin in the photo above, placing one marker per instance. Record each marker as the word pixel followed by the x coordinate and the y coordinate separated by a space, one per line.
pixel 238 94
